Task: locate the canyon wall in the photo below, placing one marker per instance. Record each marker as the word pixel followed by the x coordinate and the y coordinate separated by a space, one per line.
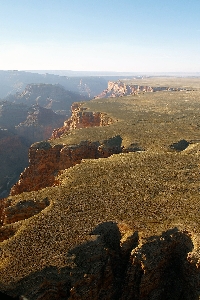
pixel 80 118
pixel 45 160
pixel 120 88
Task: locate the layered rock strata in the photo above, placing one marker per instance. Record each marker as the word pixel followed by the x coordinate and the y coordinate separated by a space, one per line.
pixel 81 118
pixel 120 88
pixel 45 161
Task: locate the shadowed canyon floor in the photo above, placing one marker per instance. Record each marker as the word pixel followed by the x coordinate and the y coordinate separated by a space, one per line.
pixel 122 227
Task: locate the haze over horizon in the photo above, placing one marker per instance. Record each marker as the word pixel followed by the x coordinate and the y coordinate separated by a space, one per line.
pixel 128 36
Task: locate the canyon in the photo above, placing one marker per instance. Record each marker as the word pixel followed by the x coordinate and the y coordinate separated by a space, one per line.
pixel 13 81
pixel 45 160
pixel 20 126
pixel 108 207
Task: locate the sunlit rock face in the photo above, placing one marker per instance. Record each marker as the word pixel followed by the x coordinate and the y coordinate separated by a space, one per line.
pixel 81 118
pixel 45 161
pixel 120 88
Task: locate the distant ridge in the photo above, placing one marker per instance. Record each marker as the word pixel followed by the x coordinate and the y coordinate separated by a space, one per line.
pixel 72 73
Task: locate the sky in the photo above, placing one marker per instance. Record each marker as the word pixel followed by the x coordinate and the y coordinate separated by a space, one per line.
pixel 100 35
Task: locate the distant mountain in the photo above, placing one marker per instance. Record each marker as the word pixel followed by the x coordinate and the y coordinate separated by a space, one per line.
pixel 15 81
pixel 39 124
pixel 49 96
pixel 11 114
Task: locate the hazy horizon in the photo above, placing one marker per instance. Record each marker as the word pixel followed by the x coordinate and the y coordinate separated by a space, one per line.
pixel 131 36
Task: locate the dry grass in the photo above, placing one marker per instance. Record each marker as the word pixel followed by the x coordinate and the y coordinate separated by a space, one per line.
pixel 173 82
pixel 149 191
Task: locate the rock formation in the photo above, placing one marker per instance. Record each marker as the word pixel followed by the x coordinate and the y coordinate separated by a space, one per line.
pixel 160 268
pixel 46 161
pixel 11 114
pixel 124 226
pixel 80 118
pixel 12 82
pixel 20 126
pixel 49 96
pixel 120 88
pixel 116 264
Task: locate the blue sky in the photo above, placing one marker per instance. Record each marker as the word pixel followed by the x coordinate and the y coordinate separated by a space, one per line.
pixel 100 35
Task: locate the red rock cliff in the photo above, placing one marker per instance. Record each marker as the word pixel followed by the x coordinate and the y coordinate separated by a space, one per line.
pixel 120 88
pixel 81 118
pixel 45 161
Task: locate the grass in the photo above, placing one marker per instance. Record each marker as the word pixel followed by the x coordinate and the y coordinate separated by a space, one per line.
pixel 150 191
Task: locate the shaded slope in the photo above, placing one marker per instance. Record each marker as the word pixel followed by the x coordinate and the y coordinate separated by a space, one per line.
pixel 49 96
pixel 12 82
pixel 13 159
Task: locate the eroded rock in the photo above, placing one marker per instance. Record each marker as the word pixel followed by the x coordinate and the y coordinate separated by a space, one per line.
pixel 45 161
pixel 159 269
pixel 155 268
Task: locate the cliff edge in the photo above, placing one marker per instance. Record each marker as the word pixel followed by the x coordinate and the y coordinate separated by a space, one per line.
pixel 123 226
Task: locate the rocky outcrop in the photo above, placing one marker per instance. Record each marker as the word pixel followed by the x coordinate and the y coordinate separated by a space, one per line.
pixel 45 161
pixel 21 126
pixel 161 268
pixel 11 212
pixel 80 118
pixel 22 210
pixel 180 145
pixel 120 88
pixel 117 264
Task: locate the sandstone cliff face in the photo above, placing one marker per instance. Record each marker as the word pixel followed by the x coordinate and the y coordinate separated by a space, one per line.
pixel 20 126
pixel 120 88
pixel 45 161
pixel 81 118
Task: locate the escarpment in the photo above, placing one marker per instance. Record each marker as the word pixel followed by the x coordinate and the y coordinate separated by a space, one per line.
pixel 14 211
pixel 125 226
pixel 81 118
pixel 45 161
pixel 121 88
